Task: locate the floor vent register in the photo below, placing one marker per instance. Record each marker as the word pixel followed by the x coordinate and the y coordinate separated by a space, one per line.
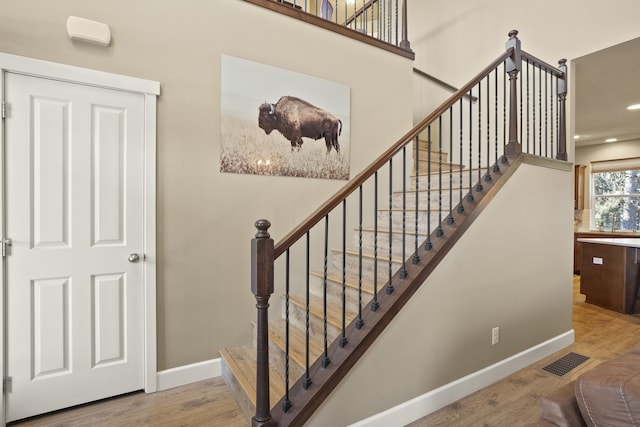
pixel 565 364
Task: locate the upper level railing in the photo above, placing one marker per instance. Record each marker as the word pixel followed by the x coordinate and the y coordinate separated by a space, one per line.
pixel 382 23
pixel 401 211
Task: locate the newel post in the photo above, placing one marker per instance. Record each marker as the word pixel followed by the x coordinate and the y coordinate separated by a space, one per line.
pixel 262 287
pixel 562 111
pixel 404 43
pixel 513 67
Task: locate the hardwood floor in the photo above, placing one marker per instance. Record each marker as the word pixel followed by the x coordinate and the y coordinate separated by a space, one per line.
pixel 205 403
pixel 599 334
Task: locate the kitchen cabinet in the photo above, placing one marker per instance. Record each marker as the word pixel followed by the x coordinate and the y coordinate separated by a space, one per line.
pixel 609 272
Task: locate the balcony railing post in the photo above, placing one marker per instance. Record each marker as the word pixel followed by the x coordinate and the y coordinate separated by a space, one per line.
pixel 513 67
pixel 404 43
pixel 562 112
pixel 262 287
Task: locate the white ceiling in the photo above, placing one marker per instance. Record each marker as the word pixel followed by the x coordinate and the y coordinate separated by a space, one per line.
pixel 607 82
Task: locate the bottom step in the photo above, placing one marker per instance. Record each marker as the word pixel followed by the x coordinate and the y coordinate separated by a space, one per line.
pixel 239 373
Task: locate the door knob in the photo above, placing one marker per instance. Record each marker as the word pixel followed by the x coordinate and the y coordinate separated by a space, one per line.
pixel 134 257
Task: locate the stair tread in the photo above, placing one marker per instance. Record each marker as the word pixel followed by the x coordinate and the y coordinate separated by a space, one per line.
pixel 351 281
pixel 434 190
pixel 464 168
pixel 334 313
pixel 382 230
pixel 382 257
pixel 243 361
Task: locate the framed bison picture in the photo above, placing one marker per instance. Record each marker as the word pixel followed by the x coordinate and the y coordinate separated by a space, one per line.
pixel 279 122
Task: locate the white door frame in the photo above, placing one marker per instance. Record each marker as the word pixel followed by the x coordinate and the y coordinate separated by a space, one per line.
pixel 150 90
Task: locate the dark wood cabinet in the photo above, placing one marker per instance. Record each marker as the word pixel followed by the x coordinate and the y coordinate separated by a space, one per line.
pixel 609 275
pixel 577 246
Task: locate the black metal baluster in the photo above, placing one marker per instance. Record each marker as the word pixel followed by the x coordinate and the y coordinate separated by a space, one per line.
pixel 360 321
pixel 307 378
pixel 343 337
pixel 345 12
pixel 286 403
pixel 416 257
pixel 325 358
pixel 487 176
pixel 439 230
pixel 389 26
pixel 372 20
pixel 389 283
pixel 460 180
pixel 540 110
pixel 534 110
pixel 397 43
pixel 355 17
pixel 374 303
pixel 428 245
pixel 546 112
pixel 528 107
pixel 379 20
pixel 403 271
pixel 479 186
pixel 520 99
pixel 553 116
pixel 504 110
pixel 450 217
pixel 496 168
pixel 470 196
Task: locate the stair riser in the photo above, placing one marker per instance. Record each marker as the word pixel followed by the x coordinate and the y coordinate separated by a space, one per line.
pixel 431 200
pixel 455 180
pixel 409 219
pixel 369 240
pixel 368 266
pixel 334 293
pixel 277 359
pixel 248 409
pixel 297 318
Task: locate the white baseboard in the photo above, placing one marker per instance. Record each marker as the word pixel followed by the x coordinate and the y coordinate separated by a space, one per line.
pixel 427 403
pixel 183 375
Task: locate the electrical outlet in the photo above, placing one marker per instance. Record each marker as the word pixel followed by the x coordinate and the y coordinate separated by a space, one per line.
pixel 495 335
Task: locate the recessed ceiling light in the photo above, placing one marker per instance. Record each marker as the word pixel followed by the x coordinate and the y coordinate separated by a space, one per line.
pixel 576 136
pixel 611 140
pixel 634 107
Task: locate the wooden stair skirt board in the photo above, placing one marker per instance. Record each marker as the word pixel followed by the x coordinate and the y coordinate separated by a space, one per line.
pixel 239 364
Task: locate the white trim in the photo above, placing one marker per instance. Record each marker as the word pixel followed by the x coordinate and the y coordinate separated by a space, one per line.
pixel 150 264
pixel 431 401
pixel 615 165
pixel 150 90
pixel 183 375
pixel 72 74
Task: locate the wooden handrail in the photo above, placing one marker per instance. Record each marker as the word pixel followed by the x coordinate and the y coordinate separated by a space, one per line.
pixel 441 83
pixel 555 71
pixel 293 236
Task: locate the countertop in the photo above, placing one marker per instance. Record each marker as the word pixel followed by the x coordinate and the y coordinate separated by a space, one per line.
pixel 627 242
pixel 607 233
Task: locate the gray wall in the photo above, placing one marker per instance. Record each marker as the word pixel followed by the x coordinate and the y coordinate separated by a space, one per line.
pixel 205 218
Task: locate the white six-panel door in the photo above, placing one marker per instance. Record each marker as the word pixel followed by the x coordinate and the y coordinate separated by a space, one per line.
pixel 74 183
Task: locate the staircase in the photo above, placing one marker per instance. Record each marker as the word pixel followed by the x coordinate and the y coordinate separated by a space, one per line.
pixel 239 364
pixel 332 315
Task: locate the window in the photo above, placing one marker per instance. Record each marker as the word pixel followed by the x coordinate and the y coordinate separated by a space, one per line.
pixel 616 194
